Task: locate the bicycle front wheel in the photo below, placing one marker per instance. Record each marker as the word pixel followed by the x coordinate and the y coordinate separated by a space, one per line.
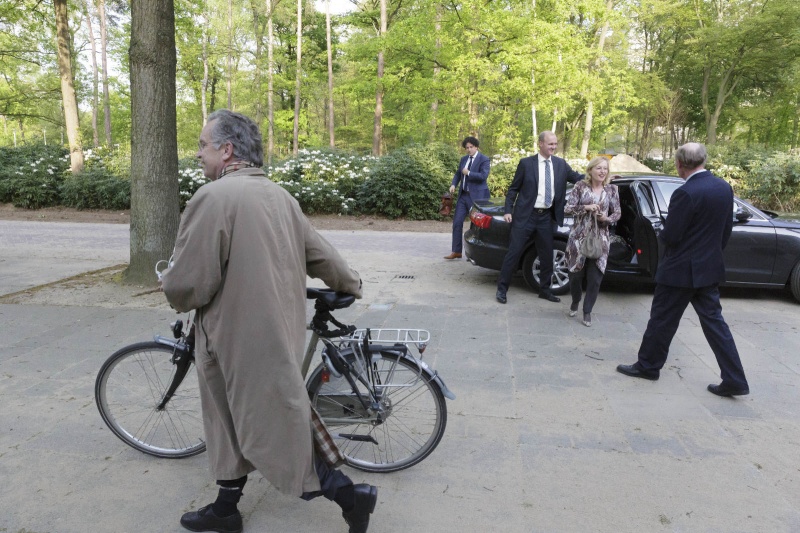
pixel 128 390
pixel 403 432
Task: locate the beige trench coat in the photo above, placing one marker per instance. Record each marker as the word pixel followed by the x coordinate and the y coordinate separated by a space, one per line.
pixel 243 250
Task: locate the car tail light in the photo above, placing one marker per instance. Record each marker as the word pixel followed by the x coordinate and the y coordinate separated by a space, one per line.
pixel 480 220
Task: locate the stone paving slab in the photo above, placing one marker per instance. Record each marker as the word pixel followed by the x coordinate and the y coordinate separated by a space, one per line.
pixel 544 435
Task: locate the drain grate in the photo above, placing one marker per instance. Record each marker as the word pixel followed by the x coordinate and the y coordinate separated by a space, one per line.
pixel 403 277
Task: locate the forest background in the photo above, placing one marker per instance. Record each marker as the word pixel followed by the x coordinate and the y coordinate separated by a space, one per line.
pixel 346 99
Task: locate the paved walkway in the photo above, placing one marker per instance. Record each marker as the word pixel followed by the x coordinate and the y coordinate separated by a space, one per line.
pixel 544 435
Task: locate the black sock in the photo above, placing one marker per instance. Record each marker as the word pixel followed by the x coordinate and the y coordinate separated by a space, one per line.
pixel 345 497
pixel 230 491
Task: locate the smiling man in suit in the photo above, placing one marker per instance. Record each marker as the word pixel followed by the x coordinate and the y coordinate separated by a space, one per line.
pixel 535 206
pixel 695 233
pixel 470 179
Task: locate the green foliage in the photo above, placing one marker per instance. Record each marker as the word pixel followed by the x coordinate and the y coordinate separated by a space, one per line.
pixel 774 182
pixel 30 175
pixel 96 188
pixel 502 171
pixel 409 182
pixel 323 181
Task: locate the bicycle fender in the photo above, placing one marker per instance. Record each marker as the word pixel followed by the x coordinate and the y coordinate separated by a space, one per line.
pixel 434 376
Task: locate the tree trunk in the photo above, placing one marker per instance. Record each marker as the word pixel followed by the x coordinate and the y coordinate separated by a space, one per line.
pixel 436 72
pixel 154 138
pixel 229 82
pixel 204 85
pixel 587 129
pixel 330 73
pixel 377 131
pixel 101 8
pixel 95 75
pixel 258 31
pixel 298 72
pixel 69 100
pixel 270 70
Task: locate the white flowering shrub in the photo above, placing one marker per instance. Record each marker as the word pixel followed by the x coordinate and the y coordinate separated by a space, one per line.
pixel 30 175
pixel 323 181
pixel 190 178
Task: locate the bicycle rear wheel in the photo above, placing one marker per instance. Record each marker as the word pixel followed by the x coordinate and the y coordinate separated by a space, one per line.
pixel 415 414
pixel 128 389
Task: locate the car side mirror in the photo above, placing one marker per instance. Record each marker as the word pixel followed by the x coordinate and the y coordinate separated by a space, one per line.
pixel 742 215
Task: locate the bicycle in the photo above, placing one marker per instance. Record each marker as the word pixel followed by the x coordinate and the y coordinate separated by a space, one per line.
pixel 384 406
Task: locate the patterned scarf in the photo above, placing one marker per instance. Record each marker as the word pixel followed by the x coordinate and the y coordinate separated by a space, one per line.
pixel 236 165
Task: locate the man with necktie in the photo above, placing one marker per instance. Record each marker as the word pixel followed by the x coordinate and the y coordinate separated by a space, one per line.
pixel 536 199
pixel 473 171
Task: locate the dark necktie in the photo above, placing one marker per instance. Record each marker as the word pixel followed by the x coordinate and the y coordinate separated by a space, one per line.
pixel 548 191
pixel 469 165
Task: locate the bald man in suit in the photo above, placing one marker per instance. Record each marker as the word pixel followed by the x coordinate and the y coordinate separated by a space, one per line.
pixel 535 206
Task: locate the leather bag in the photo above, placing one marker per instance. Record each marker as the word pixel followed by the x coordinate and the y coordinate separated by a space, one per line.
pixel 447 205
pixel 592 243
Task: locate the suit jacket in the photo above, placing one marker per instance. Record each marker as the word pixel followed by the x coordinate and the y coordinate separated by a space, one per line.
pixel 478 174
pixel 695 233
pixel 524 188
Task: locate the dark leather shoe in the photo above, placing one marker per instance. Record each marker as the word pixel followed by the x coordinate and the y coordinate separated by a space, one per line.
pixel 727 390
pixel 549 296
pixel 501 297
pixel 205 520
pixel 635 372
pixel 454 255
pixel 366 496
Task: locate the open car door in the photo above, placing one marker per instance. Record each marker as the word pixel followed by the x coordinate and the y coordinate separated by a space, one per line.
pixel 647 224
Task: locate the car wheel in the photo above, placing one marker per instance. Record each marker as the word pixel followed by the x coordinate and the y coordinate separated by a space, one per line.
pixel 530 269
pixel 794 281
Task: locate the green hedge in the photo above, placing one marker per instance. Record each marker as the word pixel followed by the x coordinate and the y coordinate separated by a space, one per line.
pixel 406 183
pixel 409 182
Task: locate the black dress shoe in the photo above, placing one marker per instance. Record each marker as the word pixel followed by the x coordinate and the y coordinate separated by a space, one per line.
pixel 501 297
pixel 727 390
pixel 635 372
pixel 205 520
pixel 366 496
pixel 549 296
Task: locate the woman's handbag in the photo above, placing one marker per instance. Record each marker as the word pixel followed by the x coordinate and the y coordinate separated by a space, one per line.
pixel 592 243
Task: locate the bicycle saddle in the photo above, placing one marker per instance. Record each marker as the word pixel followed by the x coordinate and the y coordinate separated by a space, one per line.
pixel 332 299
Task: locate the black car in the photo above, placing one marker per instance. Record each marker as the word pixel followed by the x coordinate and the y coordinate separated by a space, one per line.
pixel 763 251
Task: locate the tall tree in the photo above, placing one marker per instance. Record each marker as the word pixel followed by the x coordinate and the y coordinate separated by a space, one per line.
pixel 95 75
pixel 101 9
pixel 154 144
pixel 331 140
pixel 298 75
pixel 601 41
pixel 270 81
pixel 68 97
pixel 377 131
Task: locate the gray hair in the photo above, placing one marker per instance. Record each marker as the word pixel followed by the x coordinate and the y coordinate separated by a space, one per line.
pixel 241 132
pixel 691 155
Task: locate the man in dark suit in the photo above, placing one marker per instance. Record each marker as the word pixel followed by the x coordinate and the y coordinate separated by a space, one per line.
pixel 695 233
pixel 536 198
pixel 470 179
